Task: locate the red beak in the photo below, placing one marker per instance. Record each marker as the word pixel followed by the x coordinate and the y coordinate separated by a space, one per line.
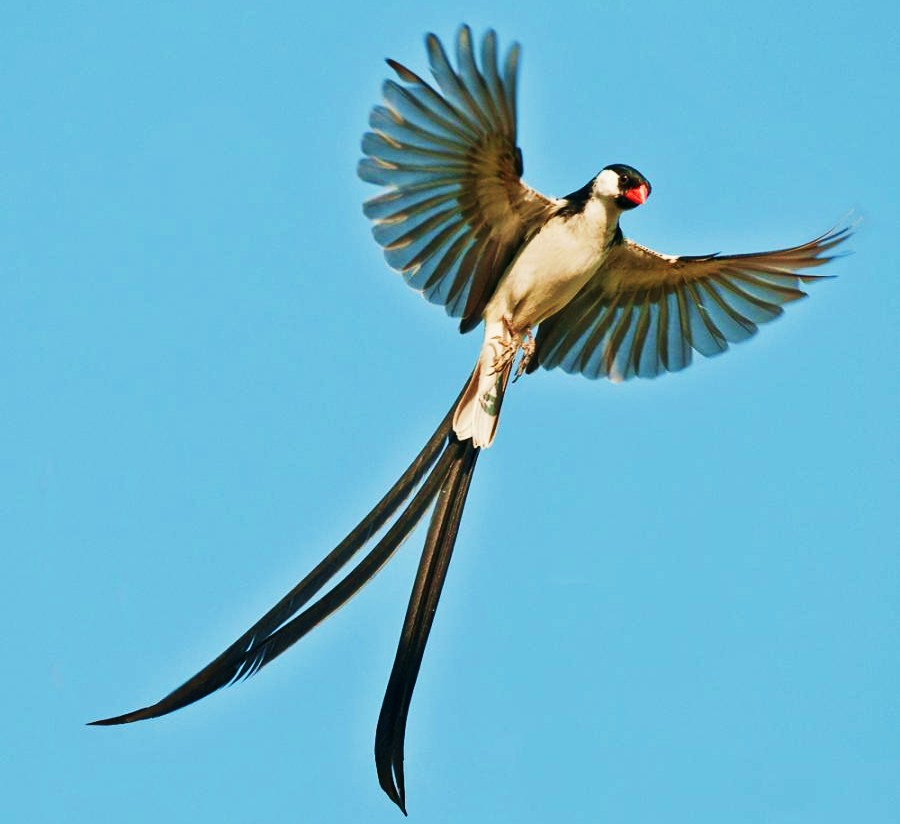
pixel 638 194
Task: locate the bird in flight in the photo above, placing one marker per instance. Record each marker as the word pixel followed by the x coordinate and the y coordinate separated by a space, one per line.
pixel 457 221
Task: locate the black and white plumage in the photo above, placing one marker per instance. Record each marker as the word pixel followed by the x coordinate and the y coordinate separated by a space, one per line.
pixel 463 228
pixel 458 222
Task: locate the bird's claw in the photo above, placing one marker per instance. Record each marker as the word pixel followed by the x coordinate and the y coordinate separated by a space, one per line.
pixel 504 352
pixel 528 347
pixel 506 348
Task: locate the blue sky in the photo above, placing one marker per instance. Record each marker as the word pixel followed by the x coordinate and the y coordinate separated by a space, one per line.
pixel 671 600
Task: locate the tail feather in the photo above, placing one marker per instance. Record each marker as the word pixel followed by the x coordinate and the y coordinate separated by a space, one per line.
pixel 391 730
pixel 275 630
pixel 441 473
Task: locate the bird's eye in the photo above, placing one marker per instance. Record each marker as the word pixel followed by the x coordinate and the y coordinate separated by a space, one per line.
pixel 623 179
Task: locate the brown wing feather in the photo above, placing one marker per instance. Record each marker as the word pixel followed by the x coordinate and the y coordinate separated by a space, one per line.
pixel 643 313
pixel 455 211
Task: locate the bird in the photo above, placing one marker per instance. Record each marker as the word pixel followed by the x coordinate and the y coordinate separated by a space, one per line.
pixel 456 220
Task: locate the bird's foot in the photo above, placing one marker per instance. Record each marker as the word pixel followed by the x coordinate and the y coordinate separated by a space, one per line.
pixel 528 347
pixel 505 348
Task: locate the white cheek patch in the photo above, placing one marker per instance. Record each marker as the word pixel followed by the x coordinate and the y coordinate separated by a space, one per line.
pixel 607 184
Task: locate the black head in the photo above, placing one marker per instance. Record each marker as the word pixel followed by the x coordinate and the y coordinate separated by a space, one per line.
pixel 632 187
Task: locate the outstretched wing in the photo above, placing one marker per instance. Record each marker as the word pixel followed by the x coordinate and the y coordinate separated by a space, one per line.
pixel 643 313
pixel 456 211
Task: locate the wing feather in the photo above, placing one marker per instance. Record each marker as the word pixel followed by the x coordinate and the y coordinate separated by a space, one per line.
pixel 643 313
pixel 455 208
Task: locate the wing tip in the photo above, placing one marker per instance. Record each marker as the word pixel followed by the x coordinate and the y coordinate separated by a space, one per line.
pixel 406 75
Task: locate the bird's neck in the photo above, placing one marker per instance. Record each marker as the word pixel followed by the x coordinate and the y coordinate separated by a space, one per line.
pixel 601 217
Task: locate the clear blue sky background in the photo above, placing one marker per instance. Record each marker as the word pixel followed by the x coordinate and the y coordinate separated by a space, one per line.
pixel 672 600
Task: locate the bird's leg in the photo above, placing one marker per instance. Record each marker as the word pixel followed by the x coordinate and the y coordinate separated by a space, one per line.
pixel 505 347
pixel 527 352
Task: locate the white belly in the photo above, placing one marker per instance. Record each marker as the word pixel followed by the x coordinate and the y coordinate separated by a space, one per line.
pixel 551 269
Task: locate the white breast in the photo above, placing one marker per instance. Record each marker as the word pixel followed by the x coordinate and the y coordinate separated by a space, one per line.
pixel 554 265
